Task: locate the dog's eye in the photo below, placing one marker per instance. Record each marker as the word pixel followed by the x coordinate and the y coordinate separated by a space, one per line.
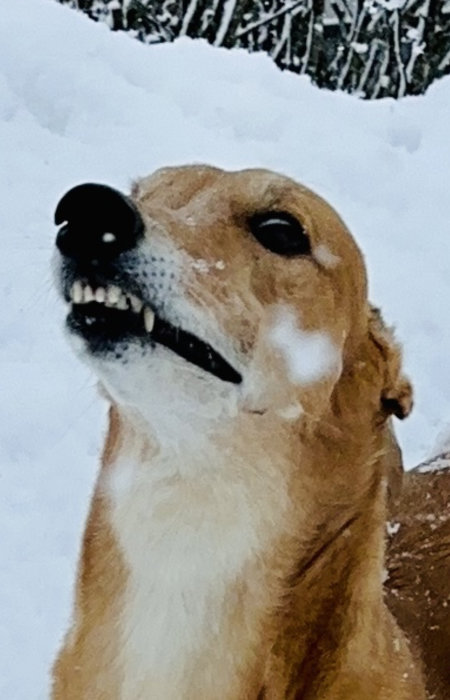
pixel 281 233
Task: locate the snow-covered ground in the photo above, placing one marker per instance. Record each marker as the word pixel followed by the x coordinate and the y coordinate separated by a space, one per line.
pixel 79 103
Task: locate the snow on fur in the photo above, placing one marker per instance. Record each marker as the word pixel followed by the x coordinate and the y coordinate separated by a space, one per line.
pixel 309 355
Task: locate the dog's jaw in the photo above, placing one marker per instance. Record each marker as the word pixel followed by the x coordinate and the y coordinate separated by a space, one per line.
pixel 175 400
pixel 142 374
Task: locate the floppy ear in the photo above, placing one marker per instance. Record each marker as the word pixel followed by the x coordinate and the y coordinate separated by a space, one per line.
pixel 396 394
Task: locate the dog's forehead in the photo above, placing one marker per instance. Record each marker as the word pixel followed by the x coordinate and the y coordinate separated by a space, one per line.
pixel 204 196
pixel 189 186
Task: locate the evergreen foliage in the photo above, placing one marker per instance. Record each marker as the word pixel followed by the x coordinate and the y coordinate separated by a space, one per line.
pixel 374 48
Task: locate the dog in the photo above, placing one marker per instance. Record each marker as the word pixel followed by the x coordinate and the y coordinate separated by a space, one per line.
pixel 235 546
pixel 418 567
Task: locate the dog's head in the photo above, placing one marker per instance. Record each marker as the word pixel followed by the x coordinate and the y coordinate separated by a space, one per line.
pixel 209 294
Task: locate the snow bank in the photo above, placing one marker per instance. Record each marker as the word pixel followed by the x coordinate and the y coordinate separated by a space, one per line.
pixel 79 103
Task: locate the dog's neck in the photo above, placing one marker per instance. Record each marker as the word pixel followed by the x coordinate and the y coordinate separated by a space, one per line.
pixel 197 526
pixel 214 566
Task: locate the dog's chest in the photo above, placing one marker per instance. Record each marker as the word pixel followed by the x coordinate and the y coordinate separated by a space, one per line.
pixel 190 545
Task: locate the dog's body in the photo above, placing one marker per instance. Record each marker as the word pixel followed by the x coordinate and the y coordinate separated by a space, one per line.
pixel 235 545
pixel 418 562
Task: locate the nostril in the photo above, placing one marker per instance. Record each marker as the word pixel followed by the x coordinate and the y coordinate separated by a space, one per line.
pixel 98 222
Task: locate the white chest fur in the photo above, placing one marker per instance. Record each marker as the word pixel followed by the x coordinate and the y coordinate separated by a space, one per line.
pixel 193 543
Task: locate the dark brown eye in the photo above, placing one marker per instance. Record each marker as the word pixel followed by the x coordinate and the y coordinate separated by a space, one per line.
pixel 281 233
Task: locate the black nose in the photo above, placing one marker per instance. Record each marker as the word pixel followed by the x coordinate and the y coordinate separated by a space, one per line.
pixel 99 223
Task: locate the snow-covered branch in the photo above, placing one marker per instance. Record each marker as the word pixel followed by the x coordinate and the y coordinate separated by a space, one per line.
pixel 373 48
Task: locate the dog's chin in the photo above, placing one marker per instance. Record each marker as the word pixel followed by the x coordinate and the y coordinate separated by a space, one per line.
pixel 176 400
pixel 140 374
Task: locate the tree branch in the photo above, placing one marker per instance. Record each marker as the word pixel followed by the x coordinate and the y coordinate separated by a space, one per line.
pixel 268 20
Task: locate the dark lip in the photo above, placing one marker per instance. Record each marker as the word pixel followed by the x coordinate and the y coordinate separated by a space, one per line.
pixel 104 328
pixel 194 350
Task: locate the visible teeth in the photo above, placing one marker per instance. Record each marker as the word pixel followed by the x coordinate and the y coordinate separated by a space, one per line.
pixel 149 319
pixel 100 295
pixel 113 295
pixel 77 292
pixel 122 304
pixel 88 294
pixel 136 304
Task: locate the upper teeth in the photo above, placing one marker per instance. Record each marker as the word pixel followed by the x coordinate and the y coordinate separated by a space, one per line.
pixel 112 297
pixel 88 295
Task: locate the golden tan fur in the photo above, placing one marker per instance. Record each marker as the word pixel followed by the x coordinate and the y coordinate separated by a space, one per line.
pixel 303 614
pixel 418 583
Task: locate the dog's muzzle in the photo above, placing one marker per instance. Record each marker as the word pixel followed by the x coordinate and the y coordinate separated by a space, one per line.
pixel 100 227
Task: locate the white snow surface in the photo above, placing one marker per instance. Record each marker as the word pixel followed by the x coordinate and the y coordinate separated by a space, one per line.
pixel 79 103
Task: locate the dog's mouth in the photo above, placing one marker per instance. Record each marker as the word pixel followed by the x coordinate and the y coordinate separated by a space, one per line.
pixel 104 316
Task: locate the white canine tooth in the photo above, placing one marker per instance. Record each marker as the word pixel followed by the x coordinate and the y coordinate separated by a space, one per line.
pixel 149 319
pixel 113 295
pixel 136 304
pixel 88 294
pixel 77 292
pixel 100 295
pixel 122 304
